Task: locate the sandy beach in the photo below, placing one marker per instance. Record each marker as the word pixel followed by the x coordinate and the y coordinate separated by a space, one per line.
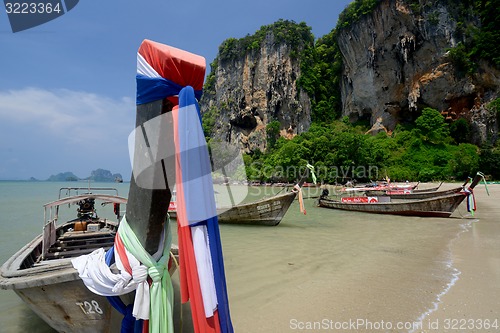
pixel 402 275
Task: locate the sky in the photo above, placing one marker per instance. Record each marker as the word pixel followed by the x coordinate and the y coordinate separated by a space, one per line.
pixel 67 87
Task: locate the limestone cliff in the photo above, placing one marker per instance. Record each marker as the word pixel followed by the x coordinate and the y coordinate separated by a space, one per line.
pixel 396 62
pixel 251 86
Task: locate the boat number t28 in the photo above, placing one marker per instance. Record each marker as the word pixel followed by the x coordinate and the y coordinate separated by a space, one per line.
pixel 90 308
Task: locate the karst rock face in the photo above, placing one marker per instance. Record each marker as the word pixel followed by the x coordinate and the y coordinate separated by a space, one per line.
pixel 255 89
pixel 397 62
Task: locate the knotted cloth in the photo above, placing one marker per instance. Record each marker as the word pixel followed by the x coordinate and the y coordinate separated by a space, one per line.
pixel 161 290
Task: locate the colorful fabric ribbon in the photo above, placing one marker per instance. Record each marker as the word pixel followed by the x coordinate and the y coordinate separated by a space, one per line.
pixel 129 322
pixel 161 291
pixel 471 201
pixel 162 71
pixel 200 251
pixel 313 175
pixel 94 271
pixel 298 190
pixel 484 181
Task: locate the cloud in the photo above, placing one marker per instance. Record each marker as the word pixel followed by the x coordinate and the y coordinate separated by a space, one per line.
pixel 74 115
pixel 51 131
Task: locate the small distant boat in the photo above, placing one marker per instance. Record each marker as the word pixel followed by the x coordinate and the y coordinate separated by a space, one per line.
pixel 431 193
pixel 417 195
pixel 381 187
pixel 440 206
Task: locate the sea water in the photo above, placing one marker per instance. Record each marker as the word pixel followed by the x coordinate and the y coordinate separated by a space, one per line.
pixel 317 272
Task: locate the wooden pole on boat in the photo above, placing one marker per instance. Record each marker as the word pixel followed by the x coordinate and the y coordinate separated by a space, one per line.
pixel 147 205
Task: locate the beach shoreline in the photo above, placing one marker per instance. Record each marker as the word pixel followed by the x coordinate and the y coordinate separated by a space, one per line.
pixel 472 303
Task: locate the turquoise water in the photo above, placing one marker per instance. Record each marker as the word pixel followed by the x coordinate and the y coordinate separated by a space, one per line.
pixel 324 264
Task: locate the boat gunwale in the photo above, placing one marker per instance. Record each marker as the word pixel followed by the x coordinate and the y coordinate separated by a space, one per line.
pixel 276 197
pixel 79 197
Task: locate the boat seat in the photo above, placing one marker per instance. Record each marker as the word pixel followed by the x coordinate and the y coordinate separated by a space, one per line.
pixel 64 247
pixel 85 234
pixel 67 254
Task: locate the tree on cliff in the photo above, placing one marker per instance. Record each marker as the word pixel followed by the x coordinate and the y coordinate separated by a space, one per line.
pixel 432 127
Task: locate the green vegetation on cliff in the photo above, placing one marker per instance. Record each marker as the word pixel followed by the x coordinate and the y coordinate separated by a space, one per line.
pixel 341 151
pixel 296 35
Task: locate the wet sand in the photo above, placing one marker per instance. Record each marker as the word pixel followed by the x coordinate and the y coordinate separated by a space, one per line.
pixel 473 302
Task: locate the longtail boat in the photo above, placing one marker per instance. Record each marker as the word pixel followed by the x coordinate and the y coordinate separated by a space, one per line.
pixel 441 206
pixel 417 195
pixel 268 211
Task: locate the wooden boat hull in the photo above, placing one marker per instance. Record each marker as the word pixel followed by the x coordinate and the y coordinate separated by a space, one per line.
pixel 268 211
pixel 442 206
pixel 54 291
pixel 71 307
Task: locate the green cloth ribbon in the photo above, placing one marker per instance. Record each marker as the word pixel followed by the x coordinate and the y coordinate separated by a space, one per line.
pixel 310 167
pixel 161 290
pixel 484 181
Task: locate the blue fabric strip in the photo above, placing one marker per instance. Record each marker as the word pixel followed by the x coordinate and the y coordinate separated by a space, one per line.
pixel 186 97
pixel 155 89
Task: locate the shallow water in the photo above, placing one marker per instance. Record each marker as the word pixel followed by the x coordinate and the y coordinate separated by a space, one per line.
pixel 319 270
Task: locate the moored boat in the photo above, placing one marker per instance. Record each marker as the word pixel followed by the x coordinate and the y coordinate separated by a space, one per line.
pixel 440 206
pixel 417 195
pixel 268 211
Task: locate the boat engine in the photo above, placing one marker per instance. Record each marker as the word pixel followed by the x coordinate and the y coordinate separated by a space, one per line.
pixel 86 207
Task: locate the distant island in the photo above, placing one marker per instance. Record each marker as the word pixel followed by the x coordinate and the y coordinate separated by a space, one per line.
pixel 99 175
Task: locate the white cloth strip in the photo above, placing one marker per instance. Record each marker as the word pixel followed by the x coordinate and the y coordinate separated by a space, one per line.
pixel 205 271
pixel 144 68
